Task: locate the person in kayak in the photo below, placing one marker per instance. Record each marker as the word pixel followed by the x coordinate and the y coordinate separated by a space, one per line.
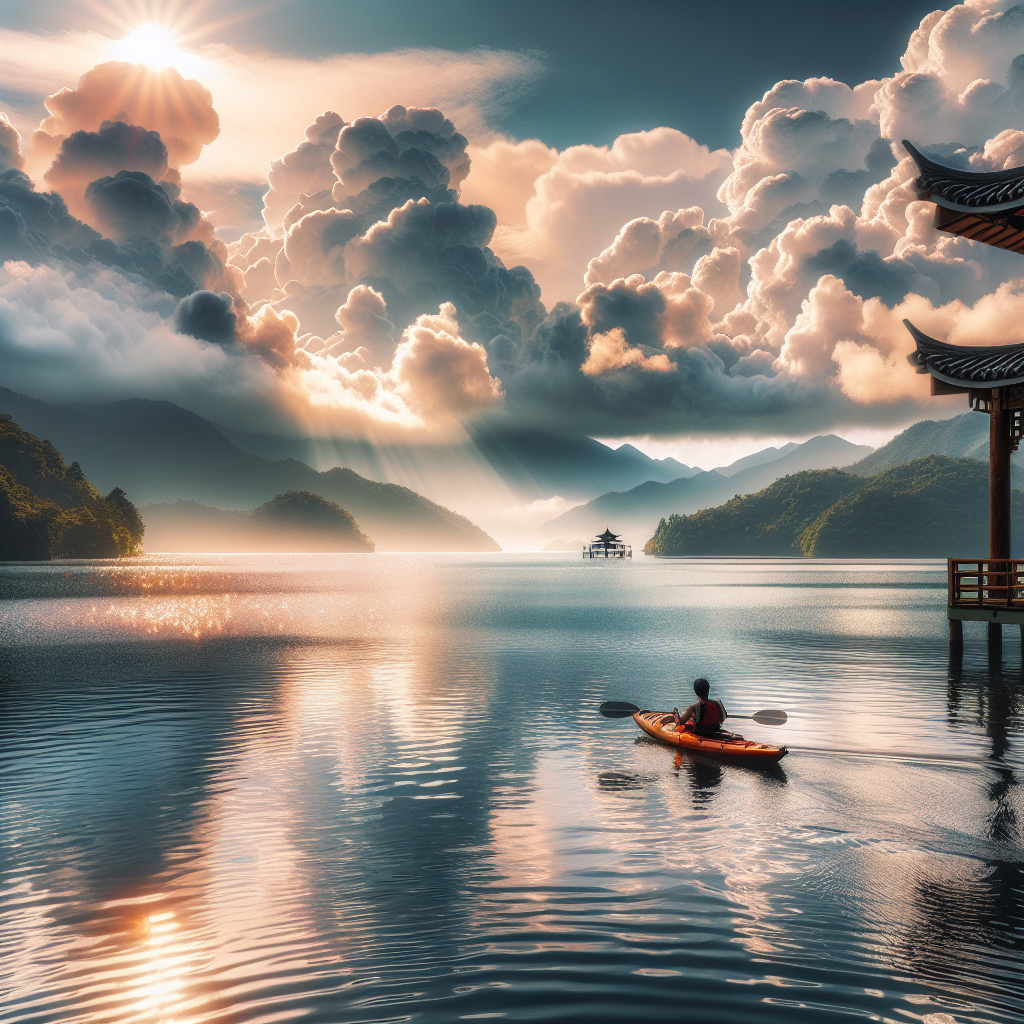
pixel 705 717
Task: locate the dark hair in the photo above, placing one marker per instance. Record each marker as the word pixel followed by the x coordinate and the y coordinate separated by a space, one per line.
pixel 701 687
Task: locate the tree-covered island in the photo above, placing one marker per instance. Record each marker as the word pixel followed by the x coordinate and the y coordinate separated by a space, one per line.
pixel 926 508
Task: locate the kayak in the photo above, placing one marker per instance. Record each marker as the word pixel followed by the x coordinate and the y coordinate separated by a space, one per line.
pixel 662 726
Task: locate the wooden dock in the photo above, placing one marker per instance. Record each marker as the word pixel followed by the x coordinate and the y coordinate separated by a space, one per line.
pixel 987 590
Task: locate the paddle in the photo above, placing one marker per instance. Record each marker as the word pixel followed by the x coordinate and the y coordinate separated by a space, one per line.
pixel 622 709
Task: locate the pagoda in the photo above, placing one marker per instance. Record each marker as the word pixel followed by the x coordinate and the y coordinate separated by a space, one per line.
pixel 607 545
pixel 985 207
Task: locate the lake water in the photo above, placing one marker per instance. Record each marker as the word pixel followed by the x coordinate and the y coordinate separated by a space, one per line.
pixel 376 788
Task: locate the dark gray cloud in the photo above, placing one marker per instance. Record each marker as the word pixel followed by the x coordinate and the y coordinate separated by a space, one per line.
pixel 130 204
pixel 637 310
pixel 206 315
pixel 36 227
pixel 85 156
pixel 865 273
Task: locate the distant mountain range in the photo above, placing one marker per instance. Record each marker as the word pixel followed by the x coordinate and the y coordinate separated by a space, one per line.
pixel 530 463
pixel 929 507
pixel 635 513
pixel 159 452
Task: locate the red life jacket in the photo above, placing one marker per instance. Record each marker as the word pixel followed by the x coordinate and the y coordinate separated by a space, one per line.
pixel 711 715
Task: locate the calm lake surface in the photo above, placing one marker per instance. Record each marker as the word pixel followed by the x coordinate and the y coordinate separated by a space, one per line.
pixel 353 788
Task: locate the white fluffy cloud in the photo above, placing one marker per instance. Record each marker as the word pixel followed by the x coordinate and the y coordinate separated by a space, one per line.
pixel 584 195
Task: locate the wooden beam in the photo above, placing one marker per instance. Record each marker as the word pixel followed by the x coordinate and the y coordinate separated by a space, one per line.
pixel 1000 444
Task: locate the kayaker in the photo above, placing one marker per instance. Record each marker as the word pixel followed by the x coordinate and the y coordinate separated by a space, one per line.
pixel 705 717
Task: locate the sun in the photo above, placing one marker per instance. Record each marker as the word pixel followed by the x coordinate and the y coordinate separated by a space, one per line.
pixel 157 48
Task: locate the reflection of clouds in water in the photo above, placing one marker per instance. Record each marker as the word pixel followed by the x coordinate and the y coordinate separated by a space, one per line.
pixel 438 789
pixel 533 833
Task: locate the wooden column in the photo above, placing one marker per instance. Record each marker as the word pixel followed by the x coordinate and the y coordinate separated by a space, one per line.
pixel 998 478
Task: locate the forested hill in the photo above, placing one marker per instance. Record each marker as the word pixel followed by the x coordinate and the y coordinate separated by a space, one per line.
pixel 930 507
pixel 50 510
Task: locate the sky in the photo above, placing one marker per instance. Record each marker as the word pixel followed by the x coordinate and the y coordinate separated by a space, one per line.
pixel 688 225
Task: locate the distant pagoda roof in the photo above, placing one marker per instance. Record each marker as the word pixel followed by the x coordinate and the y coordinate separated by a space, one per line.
pixel 986 206
pixel 989 366
pixel 607 537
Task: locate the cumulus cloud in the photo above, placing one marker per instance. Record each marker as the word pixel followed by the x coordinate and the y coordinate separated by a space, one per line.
pixel 180 110
pixel 366 330
pixel 611 351
pixel 673 242
pixel 438 372
pixel 10 145
pixel 578 204
pixel 405 278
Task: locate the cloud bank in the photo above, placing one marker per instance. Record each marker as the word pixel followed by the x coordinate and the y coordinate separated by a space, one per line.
pixel 412 273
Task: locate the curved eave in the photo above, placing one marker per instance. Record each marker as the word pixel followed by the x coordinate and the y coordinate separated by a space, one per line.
pixel 983 192
pixel 939 200
pixel 966 366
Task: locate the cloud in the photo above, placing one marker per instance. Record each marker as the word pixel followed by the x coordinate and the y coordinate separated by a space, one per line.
pixel 413 269
pixel 366 328
pixel 206 316
pixel 580 202
pixel 112 337
pixel 38 228
pixel 611 351
pixel 304 170
pixel 180 110
pixel 130 204
pixel 439 373
pixel 673 242
pixel 10 145
pixel 85 156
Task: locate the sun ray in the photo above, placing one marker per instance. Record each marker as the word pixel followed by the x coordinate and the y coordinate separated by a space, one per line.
pixel 157 47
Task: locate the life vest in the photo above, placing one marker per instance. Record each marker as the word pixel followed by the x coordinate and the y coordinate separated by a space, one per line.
pixel 710 715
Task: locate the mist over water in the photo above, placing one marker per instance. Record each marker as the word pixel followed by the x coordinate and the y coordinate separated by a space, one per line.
pixel 348 788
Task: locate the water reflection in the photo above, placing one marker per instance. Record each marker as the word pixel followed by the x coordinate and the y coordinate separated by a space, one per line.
pixel 389 797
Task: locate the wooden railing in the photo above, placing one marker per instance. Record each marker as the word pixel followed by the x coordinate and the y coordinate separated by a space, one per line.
pixel 986 583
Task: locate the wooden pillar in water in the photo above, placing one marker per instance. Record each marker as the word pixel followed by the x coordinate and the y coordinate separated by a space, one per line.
pixel 1000 443
pixel 999 446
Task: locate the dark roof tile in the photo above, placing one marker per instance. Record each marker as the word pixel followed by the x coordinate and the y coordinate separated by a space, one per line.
pixel 988 366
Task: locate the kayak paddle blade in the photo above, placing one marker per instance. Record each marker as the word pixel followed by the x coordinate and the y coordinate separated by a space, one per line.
pixel 618 709
pixel 770 717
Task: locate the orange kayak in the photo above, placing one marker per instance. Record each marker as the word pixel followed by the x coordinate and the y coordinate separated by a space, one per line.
pixel 662 727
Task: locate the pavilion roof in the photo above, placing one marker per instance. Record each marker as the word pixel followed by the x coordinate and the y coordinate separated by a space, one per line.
pixel 607 536
pixel 988 366
pixel 986 206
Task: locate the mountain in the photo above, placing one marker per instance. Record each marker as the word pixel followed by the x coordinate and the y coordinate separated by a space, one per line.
pixel 928 507
pixel 50 510
pixel 962 437
pixel 296 521
pixel 531 463
pixel 635 513
pixel 159 452
pixel 537 465
pixel 757 459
